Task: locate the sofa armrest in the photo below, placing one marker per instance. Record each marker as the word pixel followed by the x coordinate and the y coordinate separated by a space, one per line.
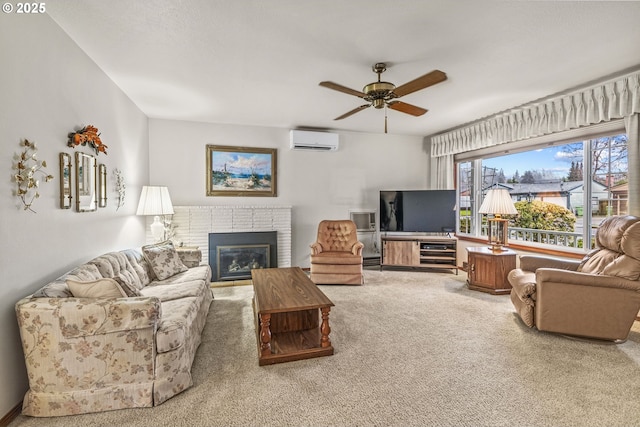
pixel 191 257
pixel 77 317
pixel 83 343
pixel 523 283
pixel 588 305
pixel 316 248
pixel 551 275
pixel 357 248
pixel 534 262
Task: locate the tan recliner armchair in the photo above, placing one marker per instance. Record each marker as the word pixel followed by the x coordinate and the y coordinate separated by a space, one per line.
pixel 336 256
pixel 598 297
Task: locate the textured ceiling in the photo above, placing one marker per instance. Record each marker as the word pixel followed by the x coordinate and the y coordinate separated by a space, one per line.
pixel 259 62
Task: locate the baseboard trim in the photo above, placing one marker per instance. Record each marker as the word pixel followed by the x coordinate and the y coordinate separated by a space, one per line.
pixel 11 415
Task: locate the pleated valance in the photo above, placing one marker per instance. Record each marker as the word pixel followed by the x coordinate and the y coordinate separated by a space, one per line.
pixel 609 100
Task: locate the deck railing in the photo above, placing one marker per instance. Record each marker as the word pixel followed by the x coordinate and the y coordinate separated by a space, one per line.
pixel 559 238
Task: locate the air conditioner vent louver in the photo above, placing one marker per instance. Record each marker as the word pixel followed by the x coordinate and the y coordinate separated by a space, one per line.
pixel 312 148
pixel 313 141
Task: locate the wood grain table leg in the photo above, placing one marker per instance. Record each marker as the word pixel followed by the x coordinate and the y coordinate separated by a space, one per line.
pixel 265 334
pixel 325 329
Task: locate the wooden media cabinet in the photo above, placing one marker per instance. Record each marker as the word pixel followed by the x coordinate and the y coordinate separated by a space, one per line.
pixel 429 252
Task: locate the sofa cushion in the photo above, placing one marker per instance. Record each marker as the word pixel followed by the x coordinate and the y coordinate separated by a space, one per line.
pixel 336 257
pixel 596 261
pixel 177 316
pixel 201 272
pixel 56 289
pixel 129 289
pixel 114 264
pixel 168 293
pixel 623 266
pixel 620 234
pixel 59 289
pixel 164 260
pixel 101 288
pixel 85 273
pixel 630 242
pixel 140 265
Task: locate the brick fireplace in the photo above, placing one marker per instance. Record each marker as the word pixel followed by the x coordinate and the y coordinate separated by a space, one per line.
pixel 193 224
pixel 232 256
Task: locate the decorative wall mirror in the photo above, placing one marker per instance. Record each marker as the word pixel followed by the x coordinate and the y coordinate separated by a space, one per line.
pixel 86 199
pixel 102 185
pixel 65 181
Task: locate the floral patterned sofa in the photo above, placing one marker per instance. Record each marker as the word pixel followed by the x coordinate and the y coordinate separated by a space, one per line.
pixel 120 331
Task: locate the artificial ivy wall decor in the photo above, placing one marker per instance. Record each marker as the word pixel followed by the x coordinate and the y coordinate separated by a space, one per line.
pixel 87 135
pixel 28 167
pixel 120 187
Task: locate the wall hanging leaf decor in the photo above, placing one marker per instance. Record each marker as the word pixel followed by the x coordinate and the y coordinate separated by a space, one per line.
pixel 88 135
pixel 27 168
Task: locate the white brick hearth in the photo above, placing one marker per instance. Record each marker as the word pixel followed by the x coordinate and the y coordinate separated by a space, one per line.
pixel 194 223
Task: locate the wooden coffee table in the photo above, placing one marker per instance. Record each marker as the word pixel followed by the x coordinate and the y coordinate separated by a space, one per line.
pixel 292 316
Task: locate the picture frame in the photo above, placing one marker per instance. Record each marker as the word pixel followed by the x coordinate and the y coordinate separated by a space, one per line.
pixel 241 171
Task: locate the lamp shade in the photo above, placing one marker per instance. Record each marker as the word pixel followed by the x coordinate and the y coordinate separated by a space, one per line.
pixel 155 200
pixel 498 202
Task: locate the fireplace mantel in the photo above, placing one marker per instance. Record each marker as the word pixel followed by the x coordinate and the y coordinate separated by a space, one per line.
pixel 194 223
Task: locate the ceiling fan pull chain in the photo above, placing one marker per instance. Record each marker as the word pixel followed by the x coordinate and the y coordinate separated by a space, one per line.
pixel 385 118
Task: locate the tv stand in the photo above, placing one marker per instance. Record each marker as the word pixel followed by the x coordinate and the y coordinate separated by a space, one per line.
pixel 428 252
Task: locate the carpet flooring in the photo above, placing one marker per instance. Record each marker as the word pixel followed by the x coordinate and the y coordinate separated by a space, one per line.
pixel 411 349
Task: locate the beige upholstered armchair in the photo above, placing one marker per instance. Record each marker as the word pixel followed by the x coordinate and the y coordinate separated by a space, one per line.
pixel 336 256
pixel 598 297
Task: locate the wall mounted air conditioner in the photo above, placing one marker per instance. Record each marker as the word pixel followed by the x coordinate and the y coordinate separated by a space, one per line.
pixel 364 220
pixel 311 140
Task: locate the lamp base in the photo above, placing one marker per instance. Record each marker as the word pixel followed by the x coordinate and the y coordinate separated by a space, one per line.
pixel 497 233
pixel 157 229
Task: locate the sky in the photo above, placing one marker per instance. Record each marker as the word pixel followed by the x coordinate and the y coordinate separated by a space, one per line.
pixel 238 162
pixel 552 160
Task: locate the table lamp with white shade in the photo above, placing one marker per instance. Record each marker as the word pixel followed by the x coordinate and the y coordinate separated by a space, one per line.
pixel 498 202
pixel 155 200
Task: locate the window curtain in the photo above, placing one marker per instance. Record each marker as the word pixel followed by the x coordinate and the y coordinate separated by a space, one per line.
pixel 632 126
pixel 442 172
pixel 612 99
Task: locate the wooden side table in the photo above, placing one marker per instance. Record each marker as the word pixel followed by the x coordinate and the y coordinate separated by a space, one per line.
pixel 488 269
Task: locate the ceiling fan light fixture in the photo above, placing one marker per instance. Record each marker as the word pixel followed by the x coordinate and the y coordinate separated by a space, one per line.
pixel 378 103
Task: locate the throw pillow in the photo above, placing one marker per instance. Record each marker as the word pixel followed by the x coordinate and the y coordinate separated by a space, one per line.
pixel 128 287
pixel 164 259
pixel 101 288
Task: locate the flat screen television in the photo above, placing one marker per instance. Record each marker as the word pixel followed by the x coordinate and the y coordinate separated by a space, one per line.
pixel 418 211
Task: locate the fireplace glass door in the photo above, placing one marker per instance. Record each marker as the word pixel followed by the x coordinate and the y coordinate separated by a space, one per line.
pixel 237 261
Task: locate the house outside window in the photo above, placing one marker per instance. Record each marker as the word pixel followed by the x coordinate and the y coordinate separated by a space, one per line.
pixel 562 190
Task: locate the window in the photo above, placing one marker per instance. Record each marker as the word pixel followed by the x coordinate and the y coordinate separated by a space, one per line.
pixel 562 190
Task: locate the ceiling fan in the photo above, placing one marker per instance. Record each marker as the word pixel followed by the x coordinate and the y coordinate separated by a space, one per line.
pixel 384 94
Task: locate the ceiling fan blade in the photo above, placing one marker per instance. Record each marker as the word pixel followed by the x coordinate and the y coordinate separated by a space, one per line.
pixel 344 89
pixel 429 79
pixel 355 110
pixel 403 107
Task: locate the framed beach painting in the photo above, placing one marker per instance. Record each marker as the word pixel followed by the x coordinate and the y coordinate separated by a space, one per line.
pixel 241 171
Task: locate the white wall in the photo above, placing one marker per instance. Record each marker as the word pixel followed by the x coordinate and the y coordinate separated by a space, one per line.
pixel 318 185
pixel 48 88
